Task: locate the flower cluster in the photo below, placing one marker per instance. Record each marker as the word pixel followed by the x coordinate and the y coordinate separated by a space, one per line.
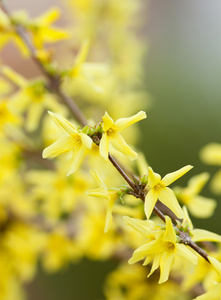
pixel 44 136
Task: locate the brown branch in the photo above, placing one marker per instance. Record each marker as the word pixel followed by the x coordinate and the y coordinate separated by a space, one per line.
pixel 54 83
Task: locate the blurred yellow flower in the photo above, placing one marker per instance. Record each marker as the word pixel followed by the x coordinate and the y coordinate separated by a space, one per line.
pixel 103 192
pixel 199 206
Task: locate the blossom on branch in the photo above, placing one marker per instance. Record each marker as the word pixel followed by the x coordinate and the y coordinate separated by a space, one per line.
pixel 72 140
pixel 162 247
pixel 159 190
pixel 111 134
pixel 103 192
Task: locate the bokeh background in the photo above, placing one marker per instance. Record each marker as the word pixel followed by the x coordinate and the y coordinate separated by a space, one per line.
pixel 183 78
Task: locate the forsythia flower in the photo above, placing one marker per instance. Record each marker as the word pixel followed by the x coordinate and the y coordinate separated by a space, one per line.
pixel 8 33
pixel 159 190
pixel 211 155
pixel 111 134
pixel 199 206
pixel 104 192
pixel 31 98
pixel 72 140
pixel 161 247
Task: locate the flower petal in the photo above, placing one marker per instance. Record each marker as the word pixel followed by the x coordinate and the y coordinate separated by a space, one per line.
pixel 211 154
pixel 77 158
pixel 216 264
pixel 63 124
pixel 104 146
pixel 202 207
pixel 153 178
pixel 197 182
pixel 99 192
pixel 169 235
pixel 150 201
pixel 201 235
pixel 34 115
pixel 119 144
pixel 187 219
pixel 167 197
pixel 86 140
pixel 171 177
pixel 123 123
pixel 166 263
pixel 156 263
pixel 62 145
pixel 97 178
pixel 140 225
pixel 109 216
pixel 184 252
pixel 108 122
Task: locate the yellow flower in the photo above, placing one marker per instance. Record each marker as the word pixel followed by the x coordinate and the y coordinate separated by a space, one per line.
pixel 211 155
pixel 42 30
pixel 104 192
pixel 71 140
pixel 31 98
pixel 161 247
pixel 111 134
pixel 213 294
pixel 8 33
pixel 199 206
pixel 159 190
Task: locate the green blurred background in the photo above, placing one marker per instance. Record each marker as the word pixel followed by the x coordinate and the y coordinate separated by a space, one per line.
pixel 183 77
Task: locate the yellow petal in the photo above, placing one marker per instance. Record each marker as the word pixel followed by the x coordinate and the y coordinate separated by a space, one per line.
pixel 97 178
pixel 49 17
pixel 215 183
pixel 120 145
pixel 78 155
pixel 156 263
pixel 123 123
pixel 202 207
pixel 169 235
pixel 63 124
pixel 153 178
pixel 139 225
pixel 34 115
pixel 201 235
pixel 150 201
pixel 64 144
pixel 171 177
pixel 216 265
pixel 86 140
pixel 167 197
pixel 211 154
pixel 107 122
pixel 196 183
pixel 14 77
pixel 101 192
pixel 187 218
pixel 166 263
pixel 147 249
pixel 83 53
pixel 185 253
pixel 104 146
pixel 109 216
